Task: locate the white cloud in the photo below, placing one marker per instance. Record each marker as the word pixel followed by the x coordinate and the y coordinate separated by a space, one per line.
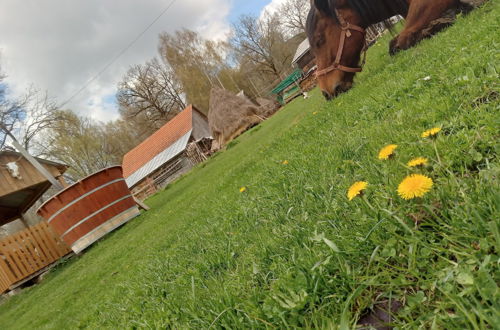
pixel 58 45
pixel 272 7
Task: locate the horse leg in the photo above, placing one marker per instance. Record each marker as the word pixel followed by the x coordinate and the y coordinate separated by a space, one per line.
pixel 420 16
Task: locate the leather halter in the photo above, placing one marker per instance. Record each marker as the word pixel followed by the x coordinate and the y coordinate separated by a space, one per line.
pixel 346 33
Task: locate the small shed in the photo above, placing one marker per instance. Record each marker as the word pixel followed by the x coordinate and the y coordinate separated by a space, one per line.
pixel 304 58
pixel 21 184
pixel 305 61
pixel 164 156
pixel 27 253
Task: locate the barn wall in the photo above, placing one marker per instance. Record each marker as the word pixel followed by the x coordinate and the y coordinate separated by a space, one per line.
pixel 30 175
pixel 149 186
pixel 304 62
pixel 187 165
pixel 200 126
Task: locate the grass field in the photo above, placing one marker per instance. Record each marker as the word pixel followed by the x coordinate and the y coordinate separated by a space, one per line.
pixel 292 250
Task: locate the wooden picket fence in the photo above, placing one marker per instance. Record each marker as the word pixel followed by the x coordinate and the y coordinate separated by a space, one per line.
pixel 28 252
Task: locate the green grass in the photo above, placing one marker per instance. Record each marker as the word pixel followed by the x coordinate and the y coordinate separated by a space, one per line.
pixel 292 251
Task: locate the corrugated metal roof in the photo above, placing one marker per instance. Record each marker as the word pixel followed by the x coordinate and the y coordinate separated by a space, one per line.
pixel 158 161
pixel 157 143
pixel 301 50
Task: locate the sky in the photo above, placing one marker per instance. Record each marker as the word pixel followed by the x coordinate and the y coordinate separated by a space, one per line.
pixel 60 45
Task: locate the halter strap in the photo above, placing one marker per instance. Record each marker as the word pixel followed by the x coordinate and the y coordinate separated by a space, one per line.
pixel 346 33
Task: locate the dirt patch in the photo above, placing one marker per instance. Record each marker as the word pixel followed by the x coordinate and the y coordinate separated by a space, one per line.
pixel 380 316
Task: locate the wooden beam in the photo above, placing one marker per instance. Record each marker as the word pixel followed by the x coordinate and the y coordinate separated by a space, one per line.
pixel 141 205
pixel 24 221
pixel 32 160
pixel 62 181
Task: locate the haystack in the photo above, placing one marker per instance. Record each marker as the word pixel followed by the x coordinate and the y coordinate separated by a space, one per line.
pixel 267 106
pixel 231 115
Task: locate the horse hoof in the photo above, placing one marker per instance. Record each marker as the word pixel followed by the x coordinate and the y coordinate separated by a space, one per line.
pixel 393 47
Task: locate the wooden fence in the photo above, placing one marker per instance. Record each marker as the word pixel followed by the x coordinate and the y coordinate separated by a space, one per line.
pixel 28 252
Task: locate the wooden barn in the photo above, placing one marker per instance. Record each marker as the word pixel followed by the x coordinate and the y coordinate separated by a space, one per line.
pixel 305 61
pixel 21 184
pixel 167 154
pixel 27 253
pixel 304 58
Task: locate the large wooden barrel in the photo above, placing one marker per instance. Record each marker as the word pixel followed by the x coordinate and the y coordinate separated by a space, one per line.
pixel 91 208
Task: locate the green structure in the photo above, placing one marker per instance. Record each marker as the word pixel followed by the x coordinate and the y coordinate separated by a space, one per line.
pixel 289 87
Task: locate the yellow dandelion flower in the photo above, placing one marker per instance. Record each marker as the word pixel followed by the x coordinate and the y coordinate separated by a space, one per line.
pixel 315 113
pixel 387 152
pixel 356 189
pixel 243 189
pixel 431 132
pixel 419 161
pixel 415 185
pixel 285 162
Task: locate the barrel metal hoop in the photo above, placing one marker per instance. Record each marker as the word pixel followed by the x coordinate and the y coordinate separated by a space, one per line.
pixel 82 197
pixel 96 213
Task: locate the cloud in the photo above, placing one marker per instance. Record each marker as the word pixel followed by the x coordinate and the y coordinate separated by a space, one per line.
pixel 58 45
pixel 272 7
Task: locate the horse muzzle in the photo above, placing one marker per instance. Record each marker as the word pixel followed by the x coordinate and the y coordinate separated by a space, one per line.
pixel 339 89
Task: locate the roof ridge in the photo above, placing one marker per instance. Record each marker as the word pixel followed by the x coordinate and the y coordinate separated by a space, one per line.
pixel 169 123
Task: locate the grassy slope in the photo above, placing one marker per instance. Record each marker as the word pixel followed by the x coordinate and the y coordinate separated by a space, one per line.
pixel 208 255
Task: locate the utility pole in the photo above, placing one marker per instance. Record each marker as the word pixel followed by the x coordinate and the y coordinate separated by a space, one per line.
pixel 32 159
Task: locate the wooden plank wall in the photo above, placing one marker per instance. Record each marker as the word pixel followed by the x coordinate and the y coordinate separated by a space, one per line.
pixel 159 179
pixel 27 252
pixel 30 175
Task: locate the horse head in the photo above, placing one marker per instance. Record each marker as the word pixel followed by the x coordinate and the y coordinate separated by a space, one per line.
pixel 337 38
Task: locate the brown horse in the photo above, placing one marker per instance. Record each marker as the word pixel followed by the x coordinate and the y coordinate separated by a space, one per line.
pixel 336 32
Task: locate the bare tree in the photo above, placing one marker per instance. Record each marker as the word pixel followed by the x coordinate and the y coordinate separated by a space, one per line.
pixel 263 45
pixel 85 145
pixel 293 14
pixel 27 116
pixel 197 63
pixel 255 41
pixel 41 115
pixel 11 112
pixel 150 91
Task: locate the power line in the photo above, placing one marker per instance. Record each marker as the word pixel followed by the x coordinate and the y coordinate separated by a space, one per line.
pixel 120 54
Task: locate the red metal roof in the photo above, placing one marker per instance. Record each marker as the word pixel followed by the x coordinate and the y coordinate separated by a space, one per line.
pixel 161 140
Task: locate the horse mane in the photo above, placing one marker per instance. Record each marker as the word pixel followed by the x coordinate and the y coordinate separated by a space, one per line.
pixel 311 22
pixel 371 11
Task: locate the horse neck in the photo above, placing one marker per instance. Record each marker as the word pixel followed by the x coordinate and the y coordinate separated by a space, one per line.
pixel 381 10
